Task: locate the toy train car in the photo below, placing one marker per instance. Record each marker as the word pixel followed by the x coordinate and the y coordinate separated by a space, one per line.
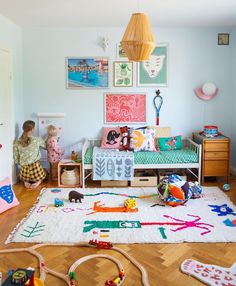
pixel 101 244
pixel 117 280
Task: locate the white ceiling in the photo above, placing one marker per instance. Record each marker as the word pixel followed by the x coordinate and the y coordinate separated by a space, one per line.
pixel 116 13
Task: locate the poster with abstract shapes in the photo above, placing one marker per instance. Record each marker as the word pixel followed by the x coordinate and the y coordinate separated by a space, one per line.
pixel 123 74
pixel 125 108
pixel 85 73
pixel 153 72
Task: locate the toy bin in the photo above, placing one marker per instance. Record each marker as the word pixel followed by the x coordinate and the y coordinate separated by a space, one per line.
pixel 147 178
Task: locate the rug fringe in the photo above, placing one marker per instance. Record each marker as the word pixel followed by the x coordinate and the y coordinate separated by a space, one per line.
pixel 12 234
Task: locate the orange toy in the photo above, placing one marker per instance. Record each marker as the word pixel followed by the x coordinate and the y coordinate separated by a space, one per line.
pixel 102 209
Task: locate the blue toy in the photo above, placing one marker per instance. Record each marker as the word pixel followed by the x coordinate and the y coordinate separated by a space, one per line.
pixel 58 203
pixel 226 187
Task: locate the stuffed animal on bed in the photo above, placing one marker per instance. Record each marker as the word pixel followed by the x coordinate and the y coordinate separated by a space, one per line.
pixel 125 141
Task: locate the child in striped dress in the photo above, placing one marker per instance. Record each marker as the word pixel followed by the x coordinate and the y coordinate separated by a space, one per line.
pixel 54 151
pixel 26 151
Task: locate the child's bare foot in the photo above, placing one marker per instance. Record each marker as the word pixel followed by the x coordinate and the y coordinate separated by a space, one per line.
pixel 36 184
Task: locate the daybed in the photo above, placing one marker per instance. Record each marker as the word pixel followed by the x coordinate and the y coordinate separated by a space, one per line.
pixel 187 158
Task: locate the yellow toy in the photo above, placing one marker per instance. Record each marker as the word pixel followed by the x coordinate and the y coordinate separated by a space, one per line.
pixel 130 203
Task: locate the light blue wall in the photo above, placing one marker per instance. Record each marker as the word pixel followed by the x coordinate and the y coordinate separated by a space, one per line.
pixel 233 103
pixel 194 58
pixel 11 38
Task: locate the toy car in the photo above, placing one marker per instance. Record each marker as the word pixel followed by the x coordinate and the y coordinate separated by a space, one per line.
pixel 58 203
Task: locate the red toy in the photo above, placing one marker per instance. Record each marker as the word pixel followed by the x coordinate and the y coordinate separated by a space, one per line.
pixel 125 141
pixel 101 244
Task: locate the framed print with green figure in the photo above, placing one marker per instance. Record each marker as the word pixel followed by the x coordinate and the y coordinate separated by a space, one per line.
pixel 154 72
pixel 123 74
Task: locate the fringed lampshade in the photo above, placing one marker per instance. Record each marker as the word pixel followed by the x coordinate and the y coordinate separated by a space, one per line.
pixel 138 40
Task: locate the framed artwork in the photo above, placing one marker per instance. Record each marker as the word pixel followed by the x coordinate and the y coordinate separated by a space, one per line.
pixel 87 72
pixel 223 39
pixel 125 108
pixel 123 74
pixel 153 72
pixel 120 52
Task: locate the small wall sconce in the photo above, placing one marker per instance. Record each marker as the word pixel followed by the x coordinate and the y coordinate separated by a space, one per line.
pixel 105 43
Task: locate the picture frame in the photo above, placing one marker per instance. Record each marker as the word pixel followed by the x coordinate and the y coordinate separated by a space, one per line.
pixel 87 72
pixel 120 53
pixel 154 72
pixel 122 74
pixel 125 108
pixel 223 39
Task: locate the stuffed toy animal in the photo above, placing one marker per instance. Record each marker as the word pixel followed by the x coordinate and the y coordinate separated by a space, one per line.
pixel 125 141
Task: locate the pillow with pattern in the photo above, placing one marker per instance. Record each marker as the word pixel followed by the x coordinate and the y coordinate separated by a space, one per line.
pixel 170 143
pixel 143 139
pixel 111 137
pixel 8 199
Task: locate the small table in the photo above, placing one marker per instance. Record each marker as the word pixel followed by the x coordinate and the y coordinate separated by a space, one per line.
pixel 69 163
pixel 215 155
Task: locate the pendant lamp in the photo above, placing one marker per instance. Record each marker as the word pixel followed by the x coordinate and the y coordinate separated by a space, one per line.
pixel 138 40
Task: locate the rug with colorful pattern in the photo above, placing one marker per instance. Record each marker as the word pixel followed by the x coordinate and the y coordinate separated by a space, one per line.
pixel 102 215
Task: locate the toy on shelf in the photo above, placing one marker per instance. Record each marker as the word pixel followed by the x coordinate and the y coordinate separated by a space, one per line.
pixel 74 195
pixel 58 202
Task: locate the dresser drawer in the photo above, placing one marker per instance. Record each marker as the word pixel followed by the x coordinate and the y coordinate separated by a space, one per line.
pixel 216 155
pixel 216 168
pixel 216 146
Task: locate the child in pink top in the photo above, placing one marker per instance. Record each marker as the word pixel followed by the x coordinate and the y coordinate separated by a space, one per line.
pixel 54 151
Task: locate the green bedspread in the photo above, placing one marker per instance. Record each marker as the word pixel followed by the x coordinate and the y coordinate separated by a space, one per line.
pixel 163 157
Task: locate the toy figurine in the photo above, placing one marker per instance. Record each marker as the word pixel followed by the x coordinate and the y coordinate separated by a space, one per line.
pixel 73 195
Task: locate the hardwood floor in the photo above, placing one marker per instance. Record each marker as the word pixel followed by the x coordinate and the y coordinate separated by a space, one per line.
pixel 161 261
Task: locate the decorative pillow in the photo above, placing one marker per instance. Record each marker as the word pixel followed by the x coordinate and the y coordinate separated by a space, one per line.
pixel 143 139
pixel 111 138
pixel 8 199
pixel 170 143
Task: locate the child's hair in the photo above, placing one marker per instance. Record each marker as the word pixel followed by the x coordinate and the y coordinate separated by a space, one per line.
pixel 52 130
pixel 27 126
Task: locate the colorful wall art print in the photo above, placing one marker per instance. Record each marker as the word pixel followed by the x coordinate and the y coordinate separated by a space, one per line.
pixel 120 52
pixel 123 74
pixel 125 108
pixel 87 72
pixel 153 72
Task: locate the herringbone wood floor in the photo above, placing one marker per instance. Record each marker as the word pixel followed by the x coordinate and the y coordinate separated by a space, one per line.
pixel 160 260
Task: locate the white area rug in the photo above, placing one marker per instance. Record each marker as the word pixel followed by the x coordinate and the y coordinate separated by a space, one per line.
pixel 211 218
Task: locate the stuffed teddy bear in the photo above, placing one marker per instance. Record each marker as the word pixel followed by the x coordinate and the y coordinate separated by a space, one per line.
pixel 125 141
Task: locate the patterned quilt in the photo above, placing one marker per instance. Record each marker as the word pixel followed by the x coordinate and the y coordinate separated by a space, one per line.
pixel 110 164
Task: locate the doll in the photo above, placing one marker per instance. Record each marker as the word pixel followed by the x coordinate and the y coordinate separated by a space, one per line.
pixel 54 151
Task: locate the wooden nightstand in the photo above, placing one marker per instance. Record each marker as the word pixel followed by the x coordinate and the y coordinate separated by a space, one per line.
pixel 215 155
pixel 69 163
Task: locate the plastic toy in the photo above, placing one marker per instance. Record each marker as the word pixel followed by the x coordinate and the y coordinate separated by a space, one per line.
pixel 174 190
pixel 226 187
pixel 130 203
pixel 22 277
pixel 73 195
pixel 58 203
pixel 196 190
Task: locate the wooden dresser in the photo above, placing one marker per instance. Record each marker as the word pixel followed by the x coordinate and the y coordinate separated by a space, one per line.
pixel 215 155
